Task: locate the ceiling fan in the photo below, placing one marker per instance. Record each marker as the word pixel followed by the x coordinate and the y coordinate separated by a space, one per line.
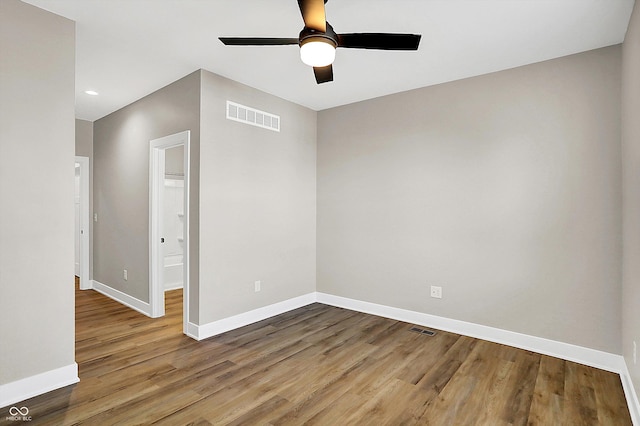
pixel 318 41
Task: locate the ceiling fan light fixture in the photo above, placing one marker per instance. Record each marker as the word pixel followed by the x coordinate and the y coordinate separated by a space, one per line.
pixel 318 40
pixel 318 51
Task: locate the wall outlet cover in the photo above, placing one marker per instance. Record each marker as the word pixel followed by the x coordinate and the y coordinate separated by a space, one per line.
pixel 436 292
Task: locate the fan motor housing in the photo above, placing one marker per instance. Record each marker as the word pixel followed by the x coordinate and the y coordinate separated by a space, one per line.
pixel 308 35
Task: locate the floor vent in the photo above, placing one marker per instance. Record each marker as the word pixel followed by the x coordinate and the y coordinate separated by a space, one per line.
pixel 252 116
pixel 422 331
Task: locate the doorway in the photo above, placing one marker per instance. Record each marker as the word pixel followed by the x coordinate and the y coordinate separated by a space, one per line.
pixel 168 226
pixel 82 221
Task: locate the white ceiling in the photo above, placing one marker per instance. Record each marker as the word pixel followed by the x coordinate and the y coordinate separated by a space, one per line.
pixel 128 49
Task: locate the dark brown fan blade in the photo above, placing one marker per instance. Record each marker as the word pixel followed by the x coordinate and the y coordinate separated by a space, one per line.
pixel 323 74
pixel 313 14
pixel 381 41
pixel 257 41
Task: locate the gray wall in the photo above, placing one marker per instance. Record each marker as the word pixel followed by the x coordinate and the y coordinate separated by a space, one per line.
pixel 257 202
pixel 84 138
pixel 121 183
pixel 255 195
pixel 504 189
pixel 37 67
pixel 631 187
pixel 84 148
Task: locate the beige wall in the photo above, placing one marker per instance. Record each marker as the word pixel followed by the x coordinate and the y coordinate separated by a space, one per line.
pixel 504 189
pixel 631 193
pixel 174 161
pixel 121 184
pixel 257 202
pixel 255 193
pixel 37 66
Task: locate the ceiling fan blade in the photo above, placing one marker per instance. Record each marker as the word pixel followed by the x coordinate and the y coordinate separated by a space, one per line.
pixel 313 14
pixel 381 41
pixel 323 74
pixel 257 41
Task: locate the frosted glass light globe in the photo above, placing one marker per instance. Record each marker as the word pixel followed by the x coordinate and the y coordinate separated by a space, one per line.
pixel 318 53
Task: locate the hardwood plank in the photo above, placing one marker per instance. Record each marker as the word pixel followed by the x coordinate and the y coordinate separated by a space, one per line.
pixel 390 404
pixel 309 404
pixel 579 400
pixel 337 412
pixel 548 395
pixel 434 348
pixel 314 365
pixel 520 386
pixel 609 398
pixel 261 413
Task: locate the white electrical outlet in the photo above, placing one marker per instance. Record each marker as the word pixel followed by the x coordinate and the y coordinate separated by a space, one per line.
pixel 257 286
pixel 125 275
pixel 95 217
pixel 436 292
pixel 635 353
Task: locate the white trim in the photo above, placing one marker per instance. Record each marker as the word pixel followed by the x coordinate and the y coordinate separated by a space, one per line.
pixel 85 222
pixel 174 287
pixel 173 183
pixel 240 320
pixel 592 357
pixel 186 259
pixel 587 356
pixel 125 299
pixel 20 390
pixel 156 197
pixel 630 395
pixel 156 189
pixel 192 331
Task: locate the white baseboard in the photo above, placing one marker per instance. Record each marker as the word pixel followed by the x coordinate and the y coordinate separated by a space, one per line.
pixel 125 299
pixel 592 357
pixel 20 390
pixel 192 331
pixel 200 332
pixel 630 394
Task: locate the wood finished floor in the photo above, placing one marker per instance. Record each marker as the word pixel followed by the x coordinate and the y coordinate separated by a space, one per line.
pixel 315 365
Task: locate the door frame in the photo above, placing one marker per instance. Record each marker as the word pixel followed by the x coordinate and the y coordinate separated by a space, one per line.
pixel 156 194
pixel 84 222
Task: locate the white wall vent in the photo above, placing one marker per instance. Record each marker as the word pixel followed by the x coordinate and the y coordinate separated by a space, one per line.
pixel 255 117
